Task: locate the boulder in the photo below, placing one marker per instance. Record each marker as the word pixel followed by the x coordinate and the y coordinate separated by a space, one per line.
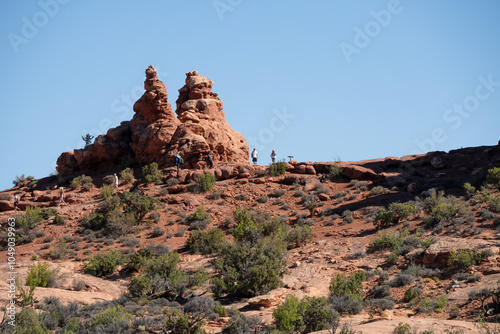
pixel 6 205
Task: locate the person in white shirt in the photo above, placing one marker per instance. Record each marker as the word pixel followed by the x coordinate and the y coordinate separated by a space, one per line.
pixel 254 156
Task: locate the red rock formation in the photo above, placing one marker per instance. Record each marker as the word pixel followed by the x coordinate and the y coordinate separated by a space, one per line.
pixel 154 122
pixel 204 128
pixel 154 134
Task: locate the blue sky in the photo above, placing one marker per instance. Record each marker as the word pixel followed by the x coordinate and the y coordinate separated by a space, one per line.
pixel 317 80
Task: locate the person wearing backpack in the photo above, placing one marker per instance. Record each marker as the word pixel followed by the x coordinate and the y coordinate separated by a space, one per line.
pixel 178 161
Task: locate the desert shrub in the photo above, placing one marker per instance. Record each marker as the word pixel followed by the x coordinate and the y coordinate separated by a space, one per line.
pixel 241 324
pixel 59 251
pixel 206 181
pixel 277 193
pixel 162 277
pixel 277 169
pixel 113 319
pixel 263 199
pixel 155 216
pixel 470 190
pixel 157 232
pixel 441 208
pixel 298 193
pixel 411 293
pixel 418 270
pixel 378 190
pixel 39 274
pixel 104 263
pixel 299 236
pixel 151 174
pixel 241 197
pixel 220 310
pixel 181 231
pixel 352 286
pixel 138 205
pixel 381 303
pixel 395 213
pixel 126 175
pixel 464 258
pixel 346 304
pixel 27 322
pixel 215 195
pixel 402 280
pixel 392 259
pixel 493 176
pixel 107 192
pixel 388 240
pixel 380 291
pixel 321 189
pixel 249 268
pixel 310 202
pixel 206 242
pixel 348 217
pixel 335 171
pixel 200 219
pixel 306 315
pixel 108 179
pixel 402 328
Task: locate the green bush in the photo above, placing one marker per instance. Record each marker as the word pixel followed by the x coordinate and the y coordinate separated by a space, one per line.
pixel 104 263
pixel 395 213
pixel 127 175
pixel 108 180
pixel 392 240
pixel 464 259
pixel 310 314
pixel 200 219
pixel 249 268
pixel 206 181
pixel 151 174
pixel 206 242
pixel 277 169
pixel 470 190
pixel 411 294
pixel 39 275
pixel 110 320
pixel 493 176
pixel 138 205
pixel 162 277
pixel 107 192
pixel 263 199
pixel 22 180
pixel 335 171
pixel 441 208
pixel 352 286
pixel 299 236
pixel 402 328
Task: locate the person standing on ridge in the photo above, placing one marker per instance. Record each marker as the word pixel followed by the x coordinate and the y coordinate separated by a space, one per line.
pixel 16 202
pixel 209 158
pixel 273 156
pixel 254 155
pixel 61 196
pixel 116 180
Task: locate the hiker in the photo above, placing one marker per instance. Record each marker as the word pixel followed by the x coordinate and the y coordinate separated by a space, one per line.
pixel 178 161
pixel 209 158
pixel 61 196
pixel 273 156
pixel 254 155
pixel 16 202
pixel 116 180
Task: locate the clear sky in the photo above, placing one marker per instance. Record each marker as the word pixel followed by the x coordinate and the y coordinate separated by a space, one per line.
pixel 317 80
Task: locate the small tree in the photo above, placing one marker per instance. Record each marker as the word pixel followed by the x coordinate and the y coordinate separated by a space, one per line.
pixel 87 139
pixel 206 181
pixel 151 174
